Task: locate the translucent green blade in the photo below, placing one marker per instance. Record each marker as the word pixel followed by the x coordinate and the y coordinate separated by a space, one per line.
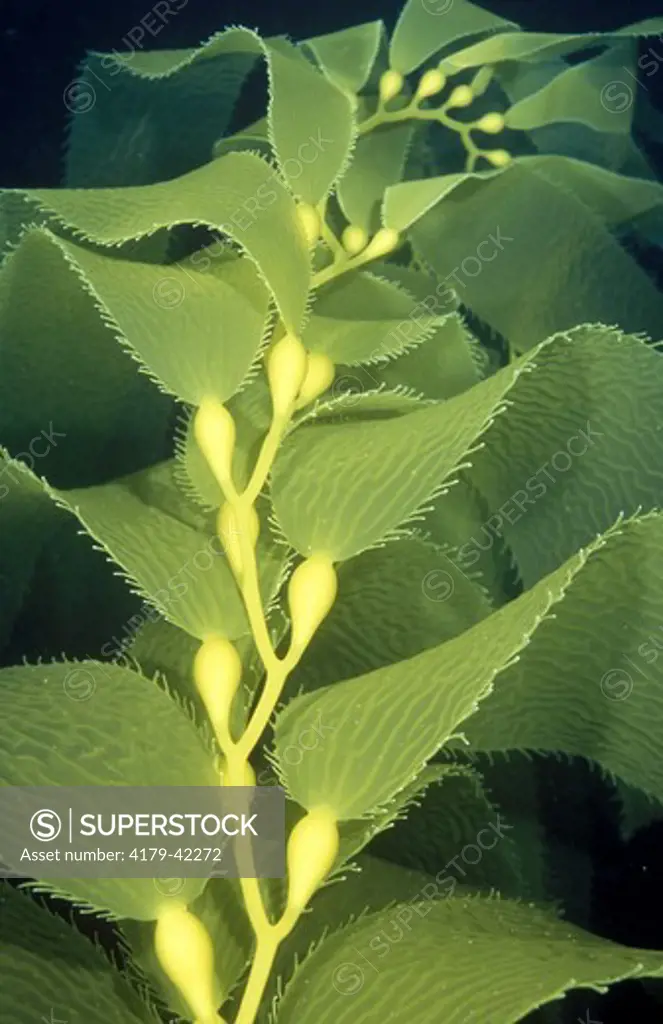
pixel 196 332
pixel 571 97
pixel 341 488
pixel 393 603
pixel 311 123
pixel 591 683
pixel 424 28
pixel 124 106
pixel 377 162
pixel 347 57
pixel 168 549
pixel 49 970
pixel 395 718
pixel 59 346
pixel 534 45
pixel 575 474
pixel 238 194
pixel 91 724
pixel 616 198
pixel 27 521
pixel 508 959
pixel 363 318
pixel 449 815
pixel 490 231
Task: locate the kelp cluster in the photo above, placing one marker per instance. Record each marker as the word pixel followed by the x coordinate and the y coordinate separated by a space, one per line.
pixel 361 397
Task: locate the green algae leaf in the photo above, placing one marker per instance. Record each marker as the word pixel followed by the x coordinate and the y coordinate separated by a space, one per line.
pixel 444 365
pixel 396 718
pixel 59 346
pixel 124 105
pixel 219 906
pixel 576 473
pixel 528 957
pixel 167 546
pixel 356 835
pixel 168 317
pixel 616 198
pixel 372 885
pixel 526 46
pixel 491 229
pixel 28 521
pixel 347 57
pixel 425 28
pixel 452 817
pixel 360 319
pixel 311 122
pixel 590 684
pixel 341 488
pixel 51 972
pixel 238 194
pixel 572 96
pixel 393 603
pixel 378 161
pixel 66 724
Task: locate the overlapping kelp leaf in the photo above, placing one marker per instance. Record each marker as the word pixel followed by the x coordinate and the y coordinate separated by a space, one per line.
pixel 362 318
pixel 371 885
pixel 528 958
pixel 125 103
pixel 347 57
pixel 464 840
pixel 493 227
pixel 575 688
pixel 333 485
pixel 59 346
pixel 596 452
pixel 170 550
pixel 238 194
pixel 395 718
pixel 168 318
pixel 27 521
pixel 393 603
pixel 323 473
pixel 378 161
pixel 66 724
pixel 529 46
pixel 424 29
pixel 51 972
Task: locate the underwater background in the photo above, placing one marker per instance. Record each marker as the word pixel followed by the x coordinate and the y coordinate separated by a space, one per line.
pixel 41 45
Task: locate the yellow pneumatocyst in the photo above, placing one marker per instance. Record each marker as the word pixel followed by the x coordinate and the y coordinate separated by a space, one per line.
pixel 354 239
pixel 312 850
pixel 498 157
pixel 214 430
pixel 430 83
pixel 391 83
pixel 462 96
pixel 311 593
pixel 185 951
pixel 217 671
pixel 286 368
pixel 491 123
pixel 319 375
